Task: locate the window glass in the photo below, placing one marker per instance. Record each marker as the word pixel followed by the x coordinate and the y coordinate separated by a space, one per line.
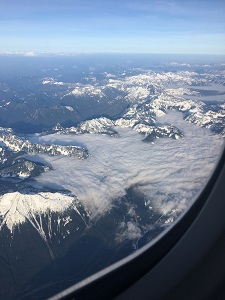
pixel 100 153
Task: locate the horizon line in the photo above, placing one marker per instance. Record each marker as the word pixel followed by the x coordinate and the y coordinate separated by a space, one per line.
pixel 74 53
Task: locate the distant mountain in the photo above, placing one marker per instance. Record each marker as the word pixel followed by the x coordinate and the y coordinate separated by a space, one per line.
pixel 43 102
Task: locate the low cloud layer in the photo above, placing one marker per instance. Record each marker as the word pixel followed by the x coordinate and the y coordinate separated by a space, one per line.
pixel 168 167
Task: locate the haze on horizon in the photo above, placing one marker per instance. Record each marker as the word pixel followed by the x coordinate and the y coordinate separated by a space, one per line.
pixel 129 26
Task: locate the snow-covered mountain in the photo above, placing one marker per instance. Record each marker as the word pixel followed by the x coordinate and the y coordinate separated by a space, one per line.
pixel 134 101
pixel 108 127
pixel 98 163
pixel 149 94
pixel 98 125
pixel 23 169
pixel 17 208
pixel 45 101
pixel 15 143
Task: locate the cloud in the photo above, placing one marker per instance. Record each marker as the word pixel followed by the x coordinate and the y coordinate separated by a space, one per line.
pixel 128 231
pixel 169 172
pixel 29 53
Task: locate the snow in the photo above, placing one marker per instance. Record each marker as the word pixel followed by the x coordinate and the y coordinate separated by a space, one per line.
pixel 126 122
pixel 96 125
pixel 137 94
pixel 52 81
pixel 181 92
pixel 89 90
pixel 15 143
pixel 69 108
pixel 16 208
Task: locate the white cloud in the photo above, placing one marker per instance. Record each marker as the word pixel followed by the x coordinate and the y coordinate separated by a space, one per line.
pixel 170 172
pixel 29 53
pixel 128 230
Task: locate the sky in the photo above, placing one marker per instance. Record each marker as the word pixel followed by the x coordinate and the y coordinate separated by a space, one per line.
pixel 113 26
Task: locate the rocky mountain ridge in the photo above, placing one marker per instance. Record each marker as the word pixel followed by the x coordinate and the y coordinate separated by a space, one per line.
pixel 16 143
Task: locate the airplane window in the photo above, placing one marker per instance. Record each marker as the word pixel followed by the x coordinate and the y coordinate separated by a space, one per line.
pixel 107 141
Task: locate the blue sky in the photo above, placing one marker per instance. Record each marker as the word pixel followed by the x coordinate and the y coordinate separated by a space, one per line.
pixel 124 26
